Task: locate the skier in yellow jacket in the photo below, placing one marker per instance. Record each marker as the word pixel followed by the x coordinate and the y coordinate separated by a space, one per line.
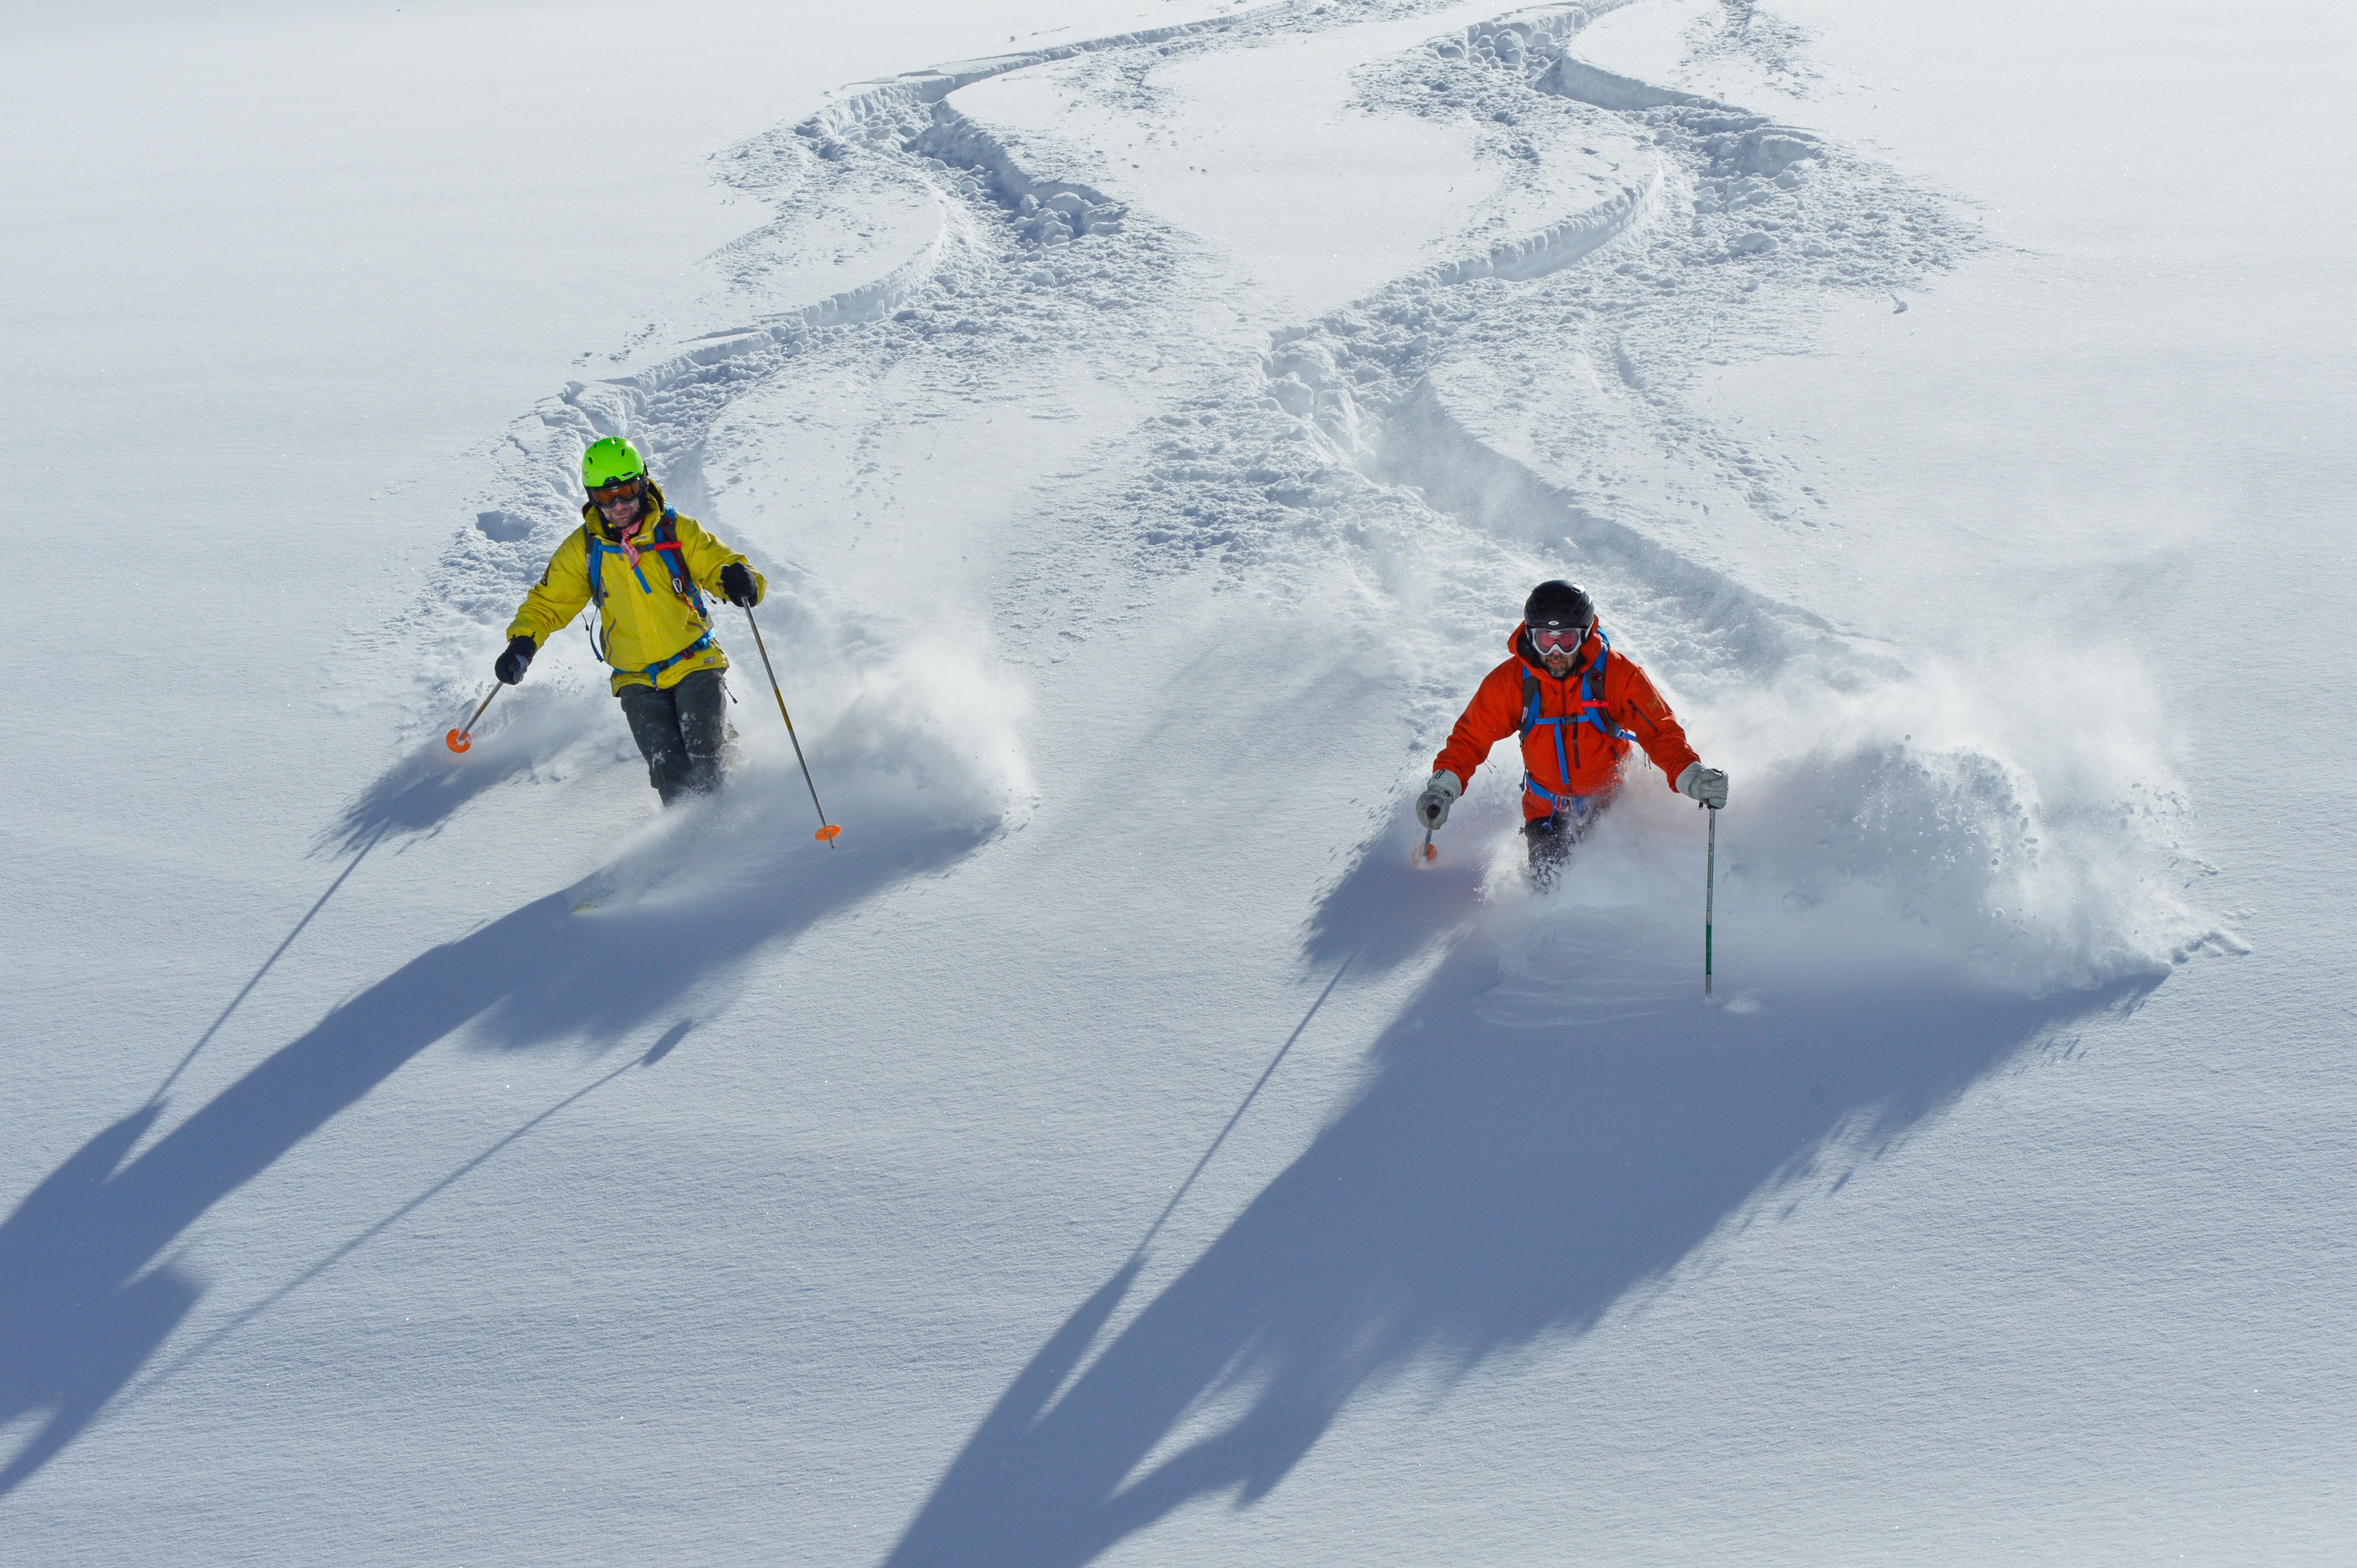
pixel 646 569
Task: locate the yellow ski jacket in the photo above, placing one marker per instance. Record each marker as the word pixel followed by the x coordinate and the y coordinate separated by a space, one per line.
pixel 650 632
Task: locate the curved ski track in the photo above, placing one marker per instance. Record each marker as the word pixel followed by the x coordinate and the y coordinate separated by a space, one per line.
pixel 1429 448
pixel 1423 452
pixel 1373 398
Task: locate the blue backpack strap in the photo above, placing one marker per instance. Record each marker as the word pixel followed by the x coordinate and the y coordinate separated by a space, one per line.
pixel 666 542
pixel 1592 704
pixel 1591 711
pixel 597 548
pixel 1531 721
pixel 660 665
pixel 675 557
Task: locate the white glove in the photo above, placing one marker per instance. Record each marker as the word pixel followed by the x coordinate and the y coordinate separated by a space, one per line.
pixel 1708 785
pixel 1432 806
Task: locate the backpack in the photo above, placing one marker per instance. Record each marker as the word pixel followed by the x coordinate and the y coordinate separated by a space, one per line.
pixel 1591 711
pixel 666 540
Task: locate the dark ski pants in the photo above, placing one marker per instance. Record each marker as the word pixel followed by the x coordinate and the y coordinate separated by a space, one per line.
pixel 1552 838
pixel 679 732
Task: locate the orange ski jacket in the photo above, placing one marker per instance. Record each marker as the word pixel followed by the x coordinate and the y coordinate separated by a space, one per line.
pixel 1575 730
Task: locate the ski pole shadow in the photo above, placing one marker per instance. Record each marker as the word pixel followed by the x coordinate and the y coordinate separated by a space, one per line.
pixel 156 1378
pixel 1491 1187
pixel 89 1292
pixel 425 789
pixel 268 964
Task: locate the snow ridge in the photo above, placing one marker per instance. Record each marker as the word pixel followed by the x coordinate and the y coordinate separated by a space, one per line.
pixel 1561 244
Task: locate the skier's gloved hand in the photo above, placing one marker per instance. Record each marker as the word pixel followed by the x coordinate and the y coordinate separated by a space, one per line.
pixel 516 660
pixel 1708 785
pixel 1432 806
pixel 736 582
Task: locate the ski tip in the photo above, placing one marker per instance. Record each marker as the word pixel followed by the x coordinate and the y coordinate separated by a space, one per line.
pixel 828 834
pixel 458 740
pixel 587 906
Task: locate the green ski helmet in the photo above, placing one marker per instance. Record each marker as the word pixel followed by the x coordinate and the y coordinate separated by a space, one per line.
pixel 608 460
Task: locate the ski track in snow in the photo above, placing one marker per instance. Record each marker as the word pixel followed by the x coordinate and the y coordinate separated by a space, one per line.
pixel 1412 460
pixel 1423 452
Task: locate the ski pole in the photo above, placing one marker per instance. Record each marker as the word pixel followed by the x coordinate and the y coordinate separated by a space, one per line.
pixel 826 830
pixel 462 737
pixel 1424 854
pixel 1709 895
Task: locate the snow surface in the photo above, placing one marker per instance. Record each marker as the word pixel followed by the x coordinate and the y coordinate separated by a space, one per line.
pixel 1149 415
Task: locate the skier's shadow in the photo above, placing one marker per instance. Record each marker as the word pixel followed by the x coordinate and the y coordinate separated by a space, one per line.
pixel 87 1291
pixel 1491 1187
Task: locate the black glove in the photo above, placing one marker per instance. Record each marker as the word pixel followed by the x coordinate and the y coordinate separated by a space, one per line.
pixel 736 582
pixel 515 660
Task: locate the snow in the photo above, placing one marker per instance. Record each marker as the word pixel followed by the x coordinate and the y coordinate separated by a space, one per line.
pixel 1260 151
pixel 1111 1149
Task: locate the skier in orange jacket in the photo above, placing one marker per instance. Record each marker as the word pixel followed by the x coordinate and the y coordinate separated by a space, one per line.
pixel 1580 706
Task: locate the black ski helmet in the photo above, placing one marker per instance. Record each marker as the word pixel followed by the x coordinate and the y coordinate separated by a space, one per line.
pixel 1560 604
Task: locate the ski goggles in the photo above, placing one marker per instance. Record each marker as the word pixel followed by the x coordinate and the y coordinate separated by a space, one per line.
pixel 614 490
pixel 1551 639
